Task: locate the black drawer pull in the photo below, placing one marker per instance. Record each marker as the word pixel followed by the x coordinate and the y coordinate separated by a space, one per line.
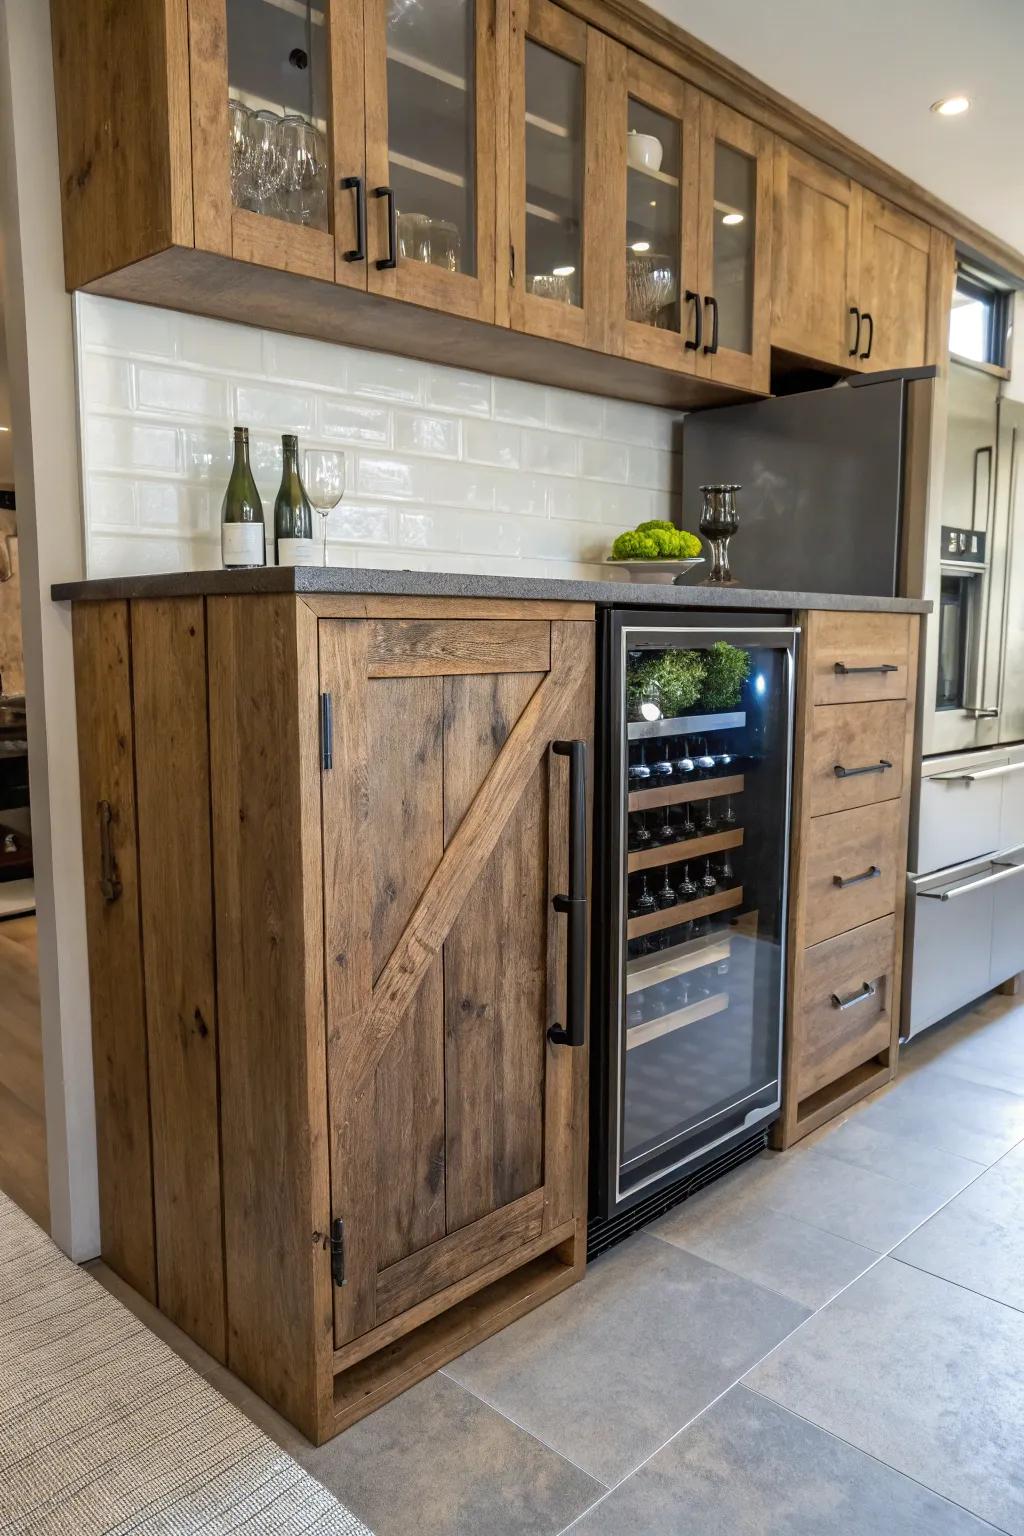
pixel 842 881
pixel 698 321
pixel 867 989
pixel 855 312
pixel 574 905
pixel 842 670
pixel 355 184
pixel 851 773
pixel 390 261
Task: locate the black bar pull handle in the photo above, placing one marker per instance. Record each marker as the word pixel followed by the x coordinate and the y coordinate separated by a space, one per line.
pixel 851 773
pixel 355 184
pixel 110 884
pixel 842 881
pixel 855 312
pixel 326 731
pixel 869 321
pixel 842 670
pixel 574 905
pixel 712 346
pixel 391 260
pixel 698 321
pixel 867 989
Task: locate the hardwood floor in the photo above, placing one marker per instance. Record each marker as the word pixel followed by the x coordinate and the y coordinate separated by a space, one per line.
pixel 22 1122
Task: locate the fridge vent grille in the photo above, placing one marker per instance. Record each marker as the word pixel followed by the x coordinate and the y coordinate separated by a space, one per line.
pixel 603 1233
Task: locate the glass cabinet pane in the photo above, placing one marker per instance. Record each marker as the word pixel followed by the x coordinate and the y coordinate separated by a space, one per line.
pixel 735 240
pixel 554 175
pixel 431 57
pixel 279 94
pixel 653 178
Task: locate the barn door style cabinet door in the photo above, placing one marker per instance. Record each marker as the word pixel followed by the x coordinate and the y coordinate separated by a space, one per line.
pixel 358 976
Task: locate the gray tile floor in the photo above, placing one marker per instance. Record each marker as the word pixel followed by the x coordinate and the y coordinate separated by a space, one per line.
pixel 830 1339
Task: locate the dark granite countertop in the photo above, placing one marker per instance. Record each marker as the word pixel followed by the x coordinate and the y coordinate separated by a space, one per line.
pixel 364 583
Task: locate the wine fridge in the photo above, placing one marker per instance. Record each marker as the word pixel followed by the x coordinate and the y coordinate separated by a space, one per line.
pixel 693 784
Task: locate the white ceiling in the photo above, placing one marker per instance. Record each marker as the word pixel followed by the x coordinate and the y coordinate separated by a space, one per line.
pixel 872 68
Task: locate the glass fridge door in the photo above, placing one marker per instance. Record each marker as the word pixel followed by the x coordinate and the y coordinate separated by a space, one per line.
pixel 704 774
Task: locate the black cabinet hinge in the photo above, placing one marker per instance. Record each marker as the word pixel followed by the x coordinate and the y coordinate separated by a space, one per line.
pixel 338 1251
pixel 326 731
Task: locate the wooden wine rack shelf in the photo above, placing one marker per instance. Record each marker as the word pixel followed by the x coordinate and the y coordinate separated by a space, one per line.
pixel 651 971
pixel 683 912
pixel 688 848
pixel 679 794
pixel 641 1034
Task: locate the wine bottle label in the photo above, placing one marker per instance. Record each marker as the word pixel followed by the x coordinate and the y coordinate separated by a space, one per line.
pixel 296 552
pixel 242 544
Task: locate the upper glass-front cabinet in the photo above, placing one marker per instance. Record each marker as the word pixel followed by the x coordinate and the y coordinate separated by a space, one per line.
pixel 430 151
pixel 735 247
pixel 658 257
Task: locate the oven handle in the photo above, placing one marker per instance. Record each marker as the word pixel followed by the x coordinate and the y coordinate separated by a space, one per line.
pixel 972 777
pixel 1006 871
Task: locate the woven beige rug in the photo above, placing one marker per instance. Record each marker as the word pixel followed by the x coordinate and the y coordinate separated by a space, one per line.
pixel 104 1429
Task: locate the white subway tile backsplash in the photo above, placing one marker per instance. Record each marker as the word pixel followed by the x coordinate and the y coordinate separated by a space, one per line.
pixel 283 410
pixel 417 433
pixel 553 453
pixel 175 393
pixel 490 442
pixel 447 469
pixel 350 422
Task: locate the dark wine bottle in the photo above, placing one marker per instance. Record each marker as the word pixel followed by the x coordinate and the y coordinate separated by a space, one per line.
pixel 243 539
pixel 687 888
pixel 293 512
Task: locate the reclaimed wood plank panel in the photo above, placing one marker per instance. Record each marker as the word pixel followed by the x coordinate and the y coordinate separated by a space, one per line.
pixel 494 964
pixel 444 647
pixel 103 703
pixel 265 775
pixel 172 774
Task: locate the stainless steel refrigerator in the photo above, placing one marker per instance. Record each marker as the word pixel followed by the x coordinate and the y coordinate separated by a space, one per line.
pixel 695 720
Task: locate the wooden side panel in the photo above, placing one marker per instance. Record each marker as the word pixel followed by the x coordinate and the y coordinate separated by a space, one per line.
pixel 494 966
pixel 121 80
pixel 103 705
pixel 265 774
pixel 211 168
pixel 406 838
pixel 172 776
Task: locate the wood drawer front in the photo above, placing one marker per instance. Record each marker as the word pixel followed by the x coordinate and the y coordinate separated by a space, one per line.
pixel 861 738
pixel 831 1040
pixel 847 845
pixel 859 640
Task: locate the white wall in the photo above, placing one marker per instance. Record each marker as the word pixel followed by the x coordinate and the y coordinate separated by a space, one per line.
pixel 447 470
pixel 37 313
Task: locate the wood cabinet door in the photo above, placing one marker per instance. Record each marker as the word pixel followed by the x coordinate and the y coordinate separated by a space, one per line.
pixel 654 279
pixel 735 248
pixel 431 152
pixel 458 1131
pixel 281 194
pixel 894 284
pixel 565 147
pixel 816 259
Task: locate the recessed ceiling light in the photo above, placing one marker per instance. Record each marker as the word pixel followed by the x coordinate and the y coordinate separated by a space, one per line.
pixel 562 271
pixel 640 246
pixel 732 218
pixel 951 106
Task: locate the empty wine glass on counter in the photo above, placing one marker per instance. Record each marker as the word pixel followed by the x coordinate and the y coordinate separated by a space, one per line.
pixel 323 474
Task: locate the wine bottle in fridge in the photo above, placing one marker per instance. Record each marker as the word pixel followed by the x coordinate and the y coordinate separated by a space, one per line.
pixel 243 541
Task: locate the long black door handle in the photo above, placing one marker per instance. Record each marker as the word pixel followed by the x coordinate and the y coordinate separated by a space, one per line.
pixel 851 773
pixel 842 881
pixel 842 670
pixel 574 905
pixel 855 312
pixel 391 260
pixel 698 320
pixel 870 320
pixel 355 184
pixel 867 989
pixel 713 344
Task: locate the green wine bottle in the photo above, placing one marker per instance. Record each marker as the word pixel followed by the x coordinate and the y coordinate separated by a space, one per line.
pixel 293 512
pixel 243 540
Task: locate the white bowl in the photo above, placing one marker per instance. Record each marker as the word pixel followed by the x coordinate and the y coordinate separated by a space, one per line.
pixel 643 151
pixel 662 572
